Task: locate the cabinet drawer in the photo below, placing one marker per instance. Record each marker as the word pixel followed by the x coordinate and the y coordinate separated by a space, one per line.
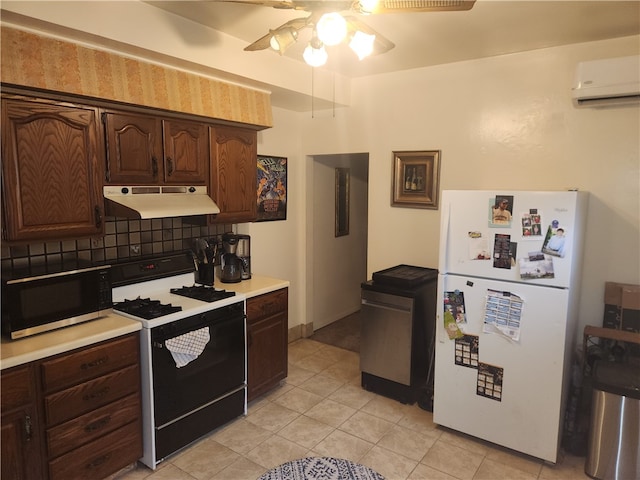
pixel 77 367
pixel 17 388
pixel 267 304
pixel 75 401
pixel 92 425
pixel 100 458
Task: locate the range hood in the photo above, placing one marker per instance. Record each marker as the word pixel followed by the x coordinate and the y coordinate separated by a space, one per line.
pixel 158 201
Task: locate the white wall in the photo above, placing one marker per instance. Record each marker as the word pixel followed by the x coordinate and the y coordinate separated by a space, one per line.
pixel 502 122
pixel 278 247
pixel 338 264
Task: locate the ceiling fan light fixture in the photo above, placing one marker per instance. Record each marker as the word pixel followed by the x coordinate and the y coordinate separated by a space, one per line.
pixel 362 44
pixel 367 7
pixel 332 28
pixel 315 56
pixel 282 39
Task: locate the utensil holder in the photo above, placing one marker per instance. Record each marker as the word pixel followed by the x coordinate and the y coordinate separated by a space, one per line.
pixel 205 274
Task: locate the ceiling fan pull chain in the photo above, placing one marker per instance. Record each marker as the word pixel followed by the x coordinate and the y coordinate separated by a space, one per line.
pixel 312 78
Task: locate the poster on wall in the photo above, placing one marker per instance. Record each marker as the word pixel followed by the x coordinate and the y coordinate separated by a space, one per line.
pixel 271 188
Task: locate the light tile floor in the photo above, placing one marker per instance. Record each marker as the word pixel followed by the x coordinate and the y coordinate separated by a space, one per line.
pixel 321 410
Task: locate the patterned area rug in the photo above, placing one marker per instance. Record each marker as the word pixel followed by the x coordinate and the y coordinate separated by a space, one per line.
pixel 321 468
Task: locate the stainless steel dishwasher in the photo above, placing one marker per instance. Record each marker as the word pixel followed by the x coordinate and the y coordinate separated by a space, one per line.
pixel 397 333
pixel 385 341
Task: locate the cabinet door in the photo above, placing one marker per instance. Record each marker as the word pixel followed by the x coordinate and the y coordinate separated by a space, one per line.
pixel 52 176
pixel 21 459
pixel 134 149
pixel 267 324
pixel 267 358
pixel 186 152
pixel 233 173
pixel 21 436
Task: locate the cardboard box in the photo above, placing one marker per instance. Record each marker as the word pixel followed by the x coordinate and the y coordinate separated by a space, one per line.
pixel 622 306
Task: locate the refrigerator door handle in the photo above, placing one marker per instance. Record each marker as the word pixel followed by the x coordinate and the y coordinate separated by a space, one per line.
pixel 444 236
pixel 386 306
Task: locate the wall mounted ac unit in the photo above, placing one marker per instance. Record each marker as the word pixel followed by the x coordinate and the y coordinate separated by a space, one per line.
pixel 608 82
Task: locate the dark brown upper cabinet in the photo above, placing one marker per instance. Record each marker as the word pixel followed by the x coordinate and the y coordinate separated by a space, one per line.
pixel 150 150
pixel 234 158
pixel 52 160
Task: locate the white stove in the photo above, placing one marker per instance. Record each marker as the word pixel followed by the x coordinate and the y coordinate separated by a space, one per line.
pixel 160 290
pixel 193 358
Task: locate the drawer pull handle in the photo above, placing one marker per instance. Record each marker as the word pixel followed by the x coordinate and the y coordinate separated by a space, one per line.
pixel 99 461
pixel 98 424
pixel 94 395
pixel 95 363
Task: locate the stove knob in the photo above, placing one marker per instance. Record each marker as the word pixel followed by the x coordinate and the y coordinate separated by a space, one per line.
pixel 192 189
pixel 124 190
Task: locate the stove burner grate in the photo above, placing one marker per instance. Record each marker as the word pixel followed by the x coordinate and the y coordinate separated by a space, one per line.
pixel 146 308
pixel 203 293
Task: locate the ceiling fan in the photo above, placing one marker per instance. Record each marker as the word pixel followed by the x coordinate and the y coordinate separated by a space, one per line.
pixel 330 27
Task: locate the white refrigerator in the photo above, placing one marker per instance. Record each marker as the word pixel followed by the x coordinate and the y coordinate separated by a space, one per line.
pixel 509 265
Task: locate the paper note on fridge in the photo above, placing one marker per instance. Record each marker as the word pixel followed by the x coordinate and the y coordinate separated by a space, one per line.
pixel 503 313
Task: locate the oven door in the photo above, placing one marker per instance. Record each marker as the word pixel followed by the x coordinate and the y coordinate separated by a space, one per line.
pixel 217 371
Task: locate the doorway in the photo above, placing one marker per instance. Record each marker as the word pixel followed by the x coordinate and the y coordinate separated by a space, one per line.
pixel 339 263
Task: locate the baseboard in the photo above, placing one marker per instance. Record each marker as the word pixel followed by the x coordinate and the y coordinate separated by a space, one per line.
pixel 300 331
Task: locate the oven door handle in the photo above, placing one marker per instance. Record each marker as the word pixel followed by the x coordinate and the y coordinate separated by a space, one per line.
pixel 213 333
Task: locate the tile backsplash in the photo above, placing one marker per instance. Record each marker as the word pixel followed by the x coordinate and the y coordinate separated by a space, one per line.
pixel 124 239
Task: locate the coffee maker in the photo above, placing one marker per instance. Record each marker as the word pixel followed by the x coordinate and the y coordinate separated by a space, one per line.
pixel 244 254
pixel 230 264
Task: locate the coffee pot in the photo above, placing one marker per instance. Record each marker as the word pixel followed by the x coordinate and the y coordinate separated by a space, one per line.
pixel 230 263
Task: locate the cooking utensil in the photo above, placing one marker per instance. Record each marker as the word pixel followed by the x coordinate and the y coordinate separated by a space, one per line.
pixel 203 247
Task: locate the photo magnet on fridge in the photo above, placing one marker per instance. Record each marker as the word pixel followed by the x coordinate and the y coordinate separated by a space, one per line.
pixel 501 211
pixel 555 240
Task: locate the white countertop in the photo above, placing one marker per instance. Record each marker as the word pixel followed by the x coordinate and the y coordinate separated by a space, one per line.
pixel 24 350
pixel 18 352
pixel 256 285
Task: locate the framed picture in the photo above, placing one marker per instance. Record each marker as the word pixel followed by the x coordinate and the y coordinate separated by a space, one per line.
pixel 271 193
pixel 342 201
pixel 416 179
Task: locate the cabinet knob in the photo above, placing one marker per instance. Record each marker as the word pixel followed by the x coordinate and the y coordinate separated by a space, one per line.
pixel 154 166
pixel 169 166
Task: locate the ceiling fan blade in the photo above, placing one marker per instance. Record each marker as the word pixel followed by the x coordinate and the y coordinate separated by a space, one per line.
pixel 264 42
pixel 306 5
pixel 380 45
pixel 404 6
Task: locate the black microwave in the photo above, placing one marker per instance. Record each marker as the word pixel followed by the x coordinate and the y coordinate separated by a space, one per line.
pixel 46 302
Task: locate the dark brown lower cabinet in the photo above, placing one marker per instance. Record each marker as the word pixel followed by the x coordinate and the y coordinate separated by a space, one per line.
pixel 267 325
pixel 73 416
pixel 21 447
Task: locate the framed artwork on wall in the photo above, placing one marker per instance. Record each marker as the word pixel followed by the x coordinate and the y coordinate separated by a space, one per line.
pixel 416 179
pixel 271 195
pixel 342 201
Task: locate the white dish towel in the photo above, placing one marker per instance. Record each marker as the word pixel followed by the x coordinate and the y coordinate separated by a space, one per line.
pixel 186 348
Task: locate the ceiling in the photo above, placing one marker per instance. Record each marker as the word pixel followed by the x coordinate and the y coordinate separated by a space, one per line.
pixel 422 39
